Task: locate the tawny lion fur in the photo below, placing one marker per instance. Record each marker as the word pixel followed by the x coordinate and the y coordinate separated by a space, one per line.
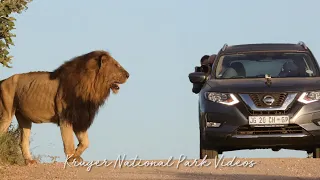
pixel 70 97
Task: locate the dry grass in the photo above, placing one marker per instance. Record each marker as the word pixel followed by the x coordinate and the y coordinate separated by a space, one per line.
pixel 10 152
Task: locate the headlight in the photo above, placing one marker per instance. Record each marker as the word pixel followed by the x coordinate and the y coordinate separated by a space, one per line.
pixel 223 98
pixel 309 97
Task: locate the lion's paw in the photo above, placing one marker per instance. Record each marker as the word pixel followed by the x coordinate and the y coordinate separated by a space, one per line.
pixel 75 158
pixel 30 162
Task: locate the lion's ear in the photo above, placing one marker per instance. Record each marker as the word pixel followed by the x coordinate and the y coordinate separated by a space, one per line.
pixel 103 60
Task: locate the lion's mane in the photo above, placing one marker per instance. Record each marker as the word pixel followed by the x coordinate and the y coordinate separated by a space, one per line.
pixel 83 88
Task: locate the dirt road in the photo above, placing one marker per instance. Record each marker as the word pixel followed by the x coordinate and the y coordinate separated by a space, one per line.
pixel 243 169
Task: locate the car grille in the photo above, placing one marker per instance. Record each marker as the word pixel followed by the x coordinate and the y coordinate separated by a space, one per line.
pixel 289 129
pixel 267 112
pixel 279 99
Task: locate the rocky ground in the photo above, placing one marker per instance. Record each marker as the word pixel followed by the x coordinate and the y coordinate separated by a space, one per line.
pixel 238 169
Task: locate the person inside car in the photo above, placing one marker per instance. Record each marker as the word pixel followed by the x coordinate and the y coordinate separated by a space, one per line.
pixel 211 60
pixel 236 69
pixel 204 60
pixel 206 63
pixel 289 69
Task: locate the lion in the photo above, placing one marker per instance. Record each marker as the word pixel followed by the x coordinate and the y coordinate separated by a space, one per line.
pixel 69 96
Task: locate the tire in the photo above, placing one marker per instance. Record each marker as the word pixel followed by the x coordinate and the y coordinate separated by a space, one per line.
pixel 208 153
pixel 211 154
pixel 316 153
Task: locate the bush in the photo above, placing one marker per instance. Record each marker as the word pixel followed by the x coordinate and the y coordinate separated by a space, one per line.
pixel 10 151
pixel 7 8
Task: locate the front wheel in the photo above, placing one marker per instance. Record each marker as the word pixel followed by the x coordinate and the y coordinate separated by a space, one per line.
pixel 316 153
pixel 207 153
pixel 204 152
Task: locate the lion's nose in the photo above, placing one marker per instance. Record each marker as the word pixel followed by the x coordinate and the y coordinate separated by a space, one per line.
pixel 128 75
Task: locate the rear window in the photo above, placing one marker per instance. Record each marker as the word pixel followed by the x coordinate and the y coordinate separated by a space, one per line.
pixel 277 65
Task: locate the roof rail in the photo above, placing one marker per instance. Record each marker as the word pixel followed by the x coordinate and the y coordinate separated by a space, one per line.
pixel 224 47
pixel 301 43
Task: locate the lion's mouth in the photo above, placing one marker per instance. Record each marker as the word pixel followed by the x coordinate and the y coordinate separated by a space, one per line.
pixel 115 87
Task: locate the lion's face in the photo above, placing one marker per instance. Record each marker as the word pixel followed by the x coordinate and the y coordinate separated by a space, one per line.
pixel 114 72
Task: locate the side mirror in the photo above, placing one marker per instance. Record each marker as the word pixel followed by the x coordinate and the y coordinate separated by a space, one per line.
pixel 197 77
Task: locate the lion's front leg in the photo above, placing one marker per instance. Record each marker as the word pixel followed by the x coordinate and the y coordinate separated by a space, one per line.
pixel 83 139
pixel 67 138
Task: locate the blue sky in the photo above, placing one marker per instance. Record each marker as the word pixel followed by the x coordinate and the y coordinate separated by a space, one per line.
pixel 154 115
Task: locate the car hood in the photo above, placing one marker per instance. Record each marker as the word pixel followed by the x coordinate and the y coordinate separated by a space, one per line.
pixel 259 85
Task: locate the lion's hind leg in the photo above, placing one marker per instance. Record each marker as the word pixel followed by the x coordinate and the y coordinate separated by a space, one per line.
pixel 25 127
pixel 7 109
pixel 5 121
pixel 6 118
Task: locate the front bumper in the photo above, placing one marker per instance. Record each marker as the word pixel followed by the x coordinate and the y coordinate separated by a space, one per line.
pixel 235 133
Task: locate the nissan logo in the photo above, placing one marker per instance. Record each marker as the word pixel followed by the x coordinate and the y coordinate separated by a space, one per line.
pixel 268 100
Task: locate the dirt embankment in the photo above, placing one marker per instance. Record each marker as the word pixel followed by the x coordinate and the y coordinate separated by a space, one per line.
pixel 257 169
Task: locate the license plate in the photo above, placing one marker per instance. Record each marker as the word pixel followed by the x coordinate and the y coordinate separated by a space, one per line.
pixel 268 120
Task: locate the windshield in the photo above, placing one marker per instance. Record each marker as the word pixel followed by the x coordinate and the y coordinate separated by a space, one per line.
pixel 276 65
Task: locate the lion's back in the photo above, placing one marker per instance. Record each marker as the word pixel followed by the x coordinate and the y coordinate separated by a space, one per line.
pixel 35 81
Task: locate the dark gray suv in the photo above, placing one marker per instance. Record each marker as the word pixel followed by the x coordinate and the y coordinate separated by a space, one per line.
pixel 260 96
